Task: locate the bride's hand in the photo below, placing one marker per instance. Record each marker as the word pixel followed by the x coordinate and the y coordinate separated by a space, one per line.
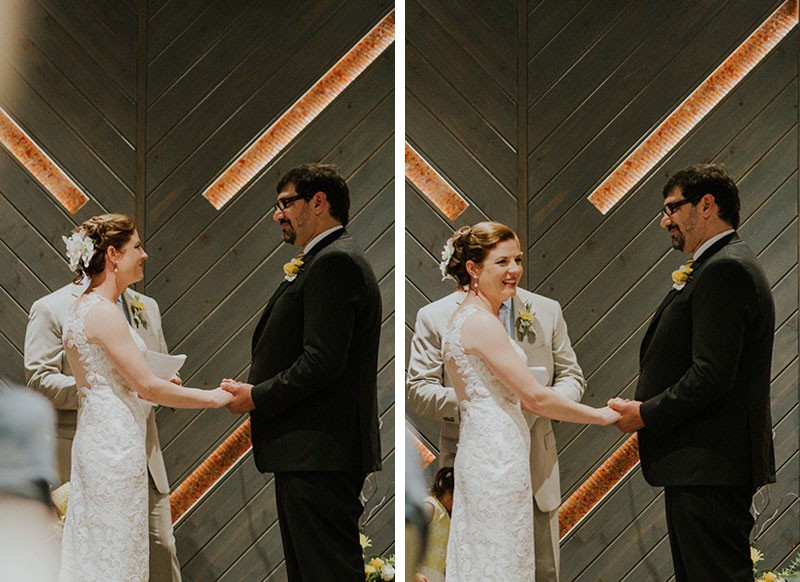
pixel 607 416
pixel 219 398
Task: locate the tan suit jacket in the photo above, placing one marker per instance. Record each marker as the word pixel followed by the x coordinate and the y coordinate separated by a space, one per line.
pixel 47 370
pixel 430 391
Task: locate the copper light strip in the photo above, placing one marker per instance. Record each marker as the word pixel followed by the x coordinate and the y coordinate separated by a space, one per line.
pixel 602 481
pixel 426 457
pixel 301 114
pixel 695 107
pixel 433 186
pixel 195 486
pixel 39 164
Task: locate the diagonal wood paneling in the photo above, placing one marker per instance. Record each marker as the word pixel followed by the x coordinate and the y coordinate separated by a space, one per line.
pixel 64 91
pixel 209 97
pixel 214 78
pixel 598 77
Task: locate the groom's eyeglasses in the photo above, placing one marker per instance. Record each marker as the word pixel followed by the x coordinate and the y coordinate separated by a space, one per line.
pixel 283 203
pixel 670 208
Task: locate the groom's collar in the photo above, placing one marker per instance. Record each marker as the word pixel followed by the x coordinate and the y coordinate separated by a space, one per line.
pixel 710 242
pixel 313 242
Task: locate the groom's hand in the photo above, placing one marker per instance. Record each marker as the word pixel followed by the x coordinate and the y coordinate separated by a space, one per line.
pixel 242 396
pixel 630 416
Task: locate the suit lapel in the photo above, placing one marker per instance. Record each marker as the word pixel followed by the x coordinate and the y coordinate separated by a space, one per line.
pixel 265 314
pixel 654 321
pixel 262 322
pixel 673 293
pixel 517 305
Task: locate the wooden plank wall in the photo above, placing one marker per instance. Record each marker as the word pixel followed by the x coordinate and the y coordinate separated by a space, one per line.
pixel 67 77
pixel 215 78
pixel 600 75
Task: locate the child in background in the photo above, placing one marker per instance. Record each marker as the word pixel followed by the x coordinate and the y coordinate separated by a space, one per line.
pixel 432 567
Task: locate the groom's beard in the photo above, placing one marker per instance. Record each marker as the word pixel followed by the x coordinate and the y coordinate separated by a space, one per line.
pixel 676 238
pixel 289 234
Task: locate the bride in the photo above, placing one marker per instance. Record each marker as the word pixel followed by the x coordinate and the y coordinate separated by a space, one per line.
pixel 491 529
pixel 105 532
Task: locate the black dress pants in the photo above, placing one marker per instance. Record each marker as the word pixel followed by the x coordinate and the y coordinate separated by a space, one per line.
pixel 318 513
pixel 709 530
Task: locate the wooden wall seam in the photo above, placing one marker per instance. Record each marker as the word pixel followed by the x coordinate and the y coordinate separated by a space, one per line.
pixel 522 132
pixel 141 127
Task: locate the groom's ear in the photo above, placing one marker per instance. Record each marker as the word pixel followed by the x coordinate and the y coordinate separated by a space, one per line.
pixel 318 202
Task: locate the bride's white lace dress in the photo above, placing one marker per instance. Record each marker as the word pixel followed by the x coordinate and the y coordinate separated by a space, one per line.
pixel 491 528
pixel 105 532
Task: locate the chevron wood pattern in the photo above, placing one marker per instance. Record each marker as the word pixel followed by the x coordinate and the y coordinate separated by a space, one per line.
pixel 214 78
pixel 600 76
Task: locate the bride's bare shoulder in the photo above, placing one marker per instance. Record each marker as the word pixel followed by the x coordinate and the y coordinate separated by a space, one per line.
pixel 481 329
pixel 103 317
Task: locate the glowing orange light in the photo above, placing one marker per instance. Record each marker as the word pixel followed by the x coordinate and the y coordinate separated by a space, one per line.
pixel 39 164
pixel 301 114
pixel 689 113
pixel 433 186
pixel 195 486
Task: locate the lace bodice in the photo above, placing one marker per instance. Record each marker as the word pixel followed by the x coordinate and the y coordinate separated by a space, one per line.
pixel 95 370
pixel 478 380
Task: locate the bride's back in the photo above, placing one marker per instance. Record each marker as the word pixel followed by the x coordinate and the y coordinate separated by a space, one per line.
pixel 472 378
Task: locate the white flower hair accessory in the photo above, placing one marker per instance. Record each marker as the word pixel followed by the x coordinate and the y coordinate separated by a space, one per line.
pixel 80 249
pixel 447 254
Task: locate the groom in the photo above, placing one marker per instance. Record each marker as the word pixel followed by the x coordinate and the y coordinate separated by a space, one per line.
pixel 312 387
pixel 702 405
pixel 547 344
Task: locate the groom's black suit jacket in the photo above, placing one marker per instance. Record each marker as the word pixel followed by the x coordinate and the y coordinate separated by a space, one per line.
pixel 705 376
pixel 314 368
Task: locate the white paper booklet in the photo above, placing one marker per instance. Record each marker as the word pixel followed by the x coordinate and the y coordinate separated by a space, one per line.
pixel 165 366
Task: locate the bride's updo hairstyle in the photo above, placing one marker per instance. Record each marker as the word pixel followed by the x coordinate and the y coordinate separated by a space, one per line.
pixel 473 243
pixel 104 230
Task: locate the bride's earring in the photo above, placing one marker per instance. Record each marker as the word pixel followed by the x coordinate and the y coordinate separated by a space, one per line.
pixel 115 267
pixel 475 283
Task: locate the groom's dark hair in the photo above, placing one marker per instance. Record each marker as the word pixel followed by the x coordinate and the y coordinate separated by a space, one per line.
pixel 309 179
pixel 713 179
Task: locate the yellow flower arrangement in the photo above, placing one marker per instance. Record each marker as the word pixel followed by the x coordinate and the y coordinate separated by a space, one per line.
pixel 137 312
pixel 524 324
pixel 790 574
pixel 292 268
pixel 377 569
pixel 376 563
pixel 681 276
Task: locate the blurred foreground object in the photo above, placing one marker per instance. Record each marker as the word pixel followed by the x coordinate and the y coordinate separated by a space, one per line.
pixel 29 537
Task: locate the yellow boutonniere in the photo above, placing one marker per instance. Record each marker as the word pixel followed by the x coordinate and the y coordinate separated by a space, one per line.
pixel 292 268
pixel 682 275
pixel 524 324
pixel 137 312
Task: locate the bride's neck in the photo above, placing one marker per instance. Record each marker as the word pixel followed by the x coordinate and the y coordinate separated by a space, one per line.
pixel 106 287
pixel 481 300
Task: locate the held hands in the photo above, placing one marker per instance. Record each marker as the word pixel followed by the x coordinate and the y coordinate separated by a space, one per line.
pixel 219 398
pixel 242 399
pixel 607 416
pixel 630 415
